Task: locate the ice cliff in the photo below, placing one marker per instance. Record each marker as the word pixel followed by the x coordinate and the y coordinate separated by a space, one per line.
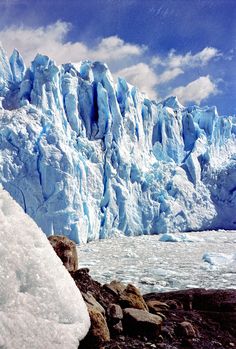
pixel 89 158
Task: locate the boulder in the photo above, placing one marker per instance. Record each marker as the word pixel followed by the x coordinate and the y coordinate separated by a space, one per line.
pixel 156 306
pixel 117 328
pixel 132 298
pixel 66 251
pixel 99 332
pixel 114 312
pixel 89 299
pixel 186 329
pixel 115 287
pixel 140 322
pixel 87 285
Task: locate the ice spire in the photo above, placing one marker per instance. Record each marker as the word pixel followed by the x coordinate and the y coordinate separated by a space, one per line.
pixel 17 66
pixel 5 72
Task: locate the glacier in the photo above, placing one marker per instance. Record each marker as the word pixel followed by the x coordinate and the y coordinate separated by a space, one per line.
pixel 90 158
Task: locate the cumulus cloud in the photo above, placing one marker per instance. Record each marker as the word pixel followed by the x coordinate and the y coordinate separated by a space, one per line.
pixel 51 40
pixel 144 76
pixel 169 74
pixel 199 59
pixel 141 75
pixel 118 54
pixel 197 90
pixel 174 60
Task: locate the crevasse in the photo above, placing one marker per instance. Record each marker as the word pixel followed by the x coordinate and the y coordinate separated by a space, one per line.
pixel 89 158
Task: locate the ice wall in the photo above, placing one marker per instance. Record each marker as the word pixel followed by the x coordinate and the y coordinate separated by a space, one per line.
pixel 89 158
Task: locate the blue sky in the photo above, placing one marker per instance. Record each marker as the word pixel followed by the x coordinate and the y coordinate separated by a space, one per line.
pixel 183 47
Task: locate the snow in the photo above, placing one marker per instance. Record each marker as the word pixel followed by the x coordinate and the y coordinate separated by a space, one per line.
pixel 40 305
pixel 197 259
pixel 88 158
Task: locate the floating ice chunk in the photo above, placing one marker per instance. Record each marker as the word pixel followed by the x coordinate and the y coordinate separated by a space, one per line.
pixel 167 237
pixel 219 259
pixel 177 237
pixel 147 280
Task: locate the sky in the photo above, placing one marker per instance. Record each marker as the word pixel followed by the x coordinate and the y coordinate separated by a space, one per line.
pixel 164 47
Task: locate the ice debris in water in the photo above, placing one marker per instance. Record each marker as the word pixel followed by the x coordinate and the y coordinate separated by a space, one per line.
pixel 173 238
pixel 40 305
pixel 219 259
pixel 88 158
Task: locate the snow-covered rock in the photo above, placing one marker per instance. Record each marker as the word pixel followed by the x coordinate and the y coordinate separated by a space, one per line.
pixel 89 158
pixel 40 305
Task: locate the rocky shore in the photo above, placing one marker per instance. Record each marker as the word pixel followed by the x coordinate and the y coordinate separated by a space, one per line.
pixel 122 318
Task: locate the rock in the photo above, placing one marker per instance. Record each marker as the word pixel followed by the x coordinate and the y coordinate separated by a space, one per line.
pixel 115 315
pixel 86 284
pixel 89 299
pixel 115 287
pixel 192 318
pixel 66 250
pixel 115 312
pixel 156 306
pixel 186 329
pixel 140 322
pixel 117 328
pixel 99 332
pixel 168 332
pixel 161 315
pixel 132 298
pixel 174 304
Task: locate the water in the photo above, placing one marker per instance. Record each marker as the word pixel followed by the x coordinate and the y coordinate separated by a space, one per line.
pixel 153 265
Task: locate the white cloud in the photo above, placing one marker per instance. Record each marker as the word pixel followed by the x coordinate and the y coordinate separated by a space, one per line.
pixel 51 40
pixel 174 60
pixel 141 75
pixel 118 54
pixel 196 90
pixel 156 60
pixel 145 78
pixel 114 48
pixel 169 74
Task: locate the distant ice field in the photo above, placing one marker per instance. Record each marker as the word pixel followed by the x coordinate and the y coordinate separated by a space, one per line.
pixel 180 261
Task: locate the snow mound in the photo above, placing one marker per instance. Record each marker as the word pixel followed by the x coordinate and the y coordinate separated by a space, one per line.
pixel 40 305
